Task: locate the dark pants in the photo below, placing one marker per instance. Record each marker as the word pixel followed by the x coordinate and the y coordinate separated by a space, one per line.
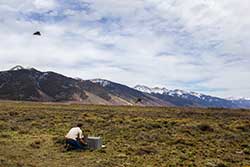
pixel 75 145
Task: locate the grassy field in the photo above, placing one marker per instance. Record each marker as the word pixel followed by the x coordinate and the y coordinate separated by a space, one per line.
pixel 32 134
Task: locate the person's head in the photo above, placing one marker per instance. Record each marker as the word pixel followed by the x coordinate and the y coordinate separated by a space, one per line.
pixel 79 125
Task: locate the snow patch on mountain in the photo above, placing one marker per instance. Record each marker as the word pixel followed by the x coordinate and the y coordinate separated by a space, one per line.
pixel 43 76
pixel 175 92
pixel 238 99
pixel 102 82
pixel 155 90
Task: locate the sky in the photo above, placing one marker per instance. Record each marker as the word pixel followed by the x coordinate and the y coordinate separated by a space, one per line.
pixel 197 45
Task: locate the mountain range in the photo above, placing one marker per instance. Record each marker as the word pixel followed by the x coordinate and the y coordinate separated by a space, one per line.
pixel 29 84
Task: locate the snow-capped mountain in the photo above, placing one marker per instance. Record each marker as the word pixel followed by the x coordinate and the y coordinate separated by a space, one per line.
pixel 175 92
pixel 238 98
pixel 240 101
pixel 187 98
pixel 151 90
pixel 131 95
pixel 29 84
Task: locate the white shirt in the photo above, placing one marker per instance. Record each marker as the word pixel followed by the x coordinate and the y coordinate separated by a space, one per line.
pixel 74 133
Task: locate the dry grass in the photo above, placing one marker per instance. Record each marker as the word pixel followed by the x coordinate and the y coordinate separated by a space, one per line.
pixel 31 134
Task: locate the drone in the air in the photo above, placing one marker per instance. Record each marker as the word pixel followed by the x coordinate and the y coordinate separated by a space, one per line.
pixel 37 33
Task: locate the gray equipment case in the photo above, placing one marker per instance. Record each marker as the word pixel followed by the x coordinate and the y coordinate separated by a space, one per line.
pixel 94 142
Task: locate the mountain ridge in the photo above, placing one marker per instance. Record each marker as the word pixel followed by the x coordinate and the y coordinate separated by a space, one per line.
pixel 187 98
pixel 29 84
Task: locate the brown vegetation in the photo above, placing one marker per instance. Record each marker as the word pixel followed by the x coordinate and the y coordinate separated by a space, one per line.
pixel 31 134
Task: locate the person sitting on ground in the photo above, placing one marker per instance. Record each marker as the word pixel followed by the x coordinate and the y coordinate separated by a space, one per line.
pixel 75 138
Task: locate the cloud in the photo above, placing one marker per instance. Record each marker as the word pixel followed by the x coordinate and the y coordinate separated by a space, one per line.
pixel 196 45
pixel 47 5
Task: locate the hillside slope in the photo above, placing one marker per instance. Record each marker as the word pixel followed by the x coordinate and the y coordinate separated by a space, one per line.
pixel 33 85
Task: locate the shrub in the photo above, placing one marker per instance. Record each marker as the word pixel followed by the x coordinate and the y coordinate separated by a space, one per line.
pixel 205 128
pixel 36 144
pixel 246 151
pixel 145 151
pixel 59 140
pixel 244 128
pixel 221 165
